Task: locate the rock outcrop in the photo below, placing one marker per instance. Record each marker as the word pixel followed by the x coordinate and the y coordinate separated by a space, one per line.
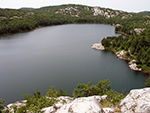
pixel 133 66
pixel 107 13
pixel 98 46
pixel 137 101
pixel 122 55
pixel 18 104
pixel 139 30
pixel 79 105
pixel 73 11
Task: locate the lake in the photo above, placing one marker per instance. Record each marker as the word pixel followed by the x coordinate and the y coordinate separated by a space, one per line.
pixel 61 56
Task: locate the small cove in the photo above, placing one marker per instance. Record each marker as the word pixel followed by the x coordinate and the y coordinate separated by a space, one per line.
pixel 61 56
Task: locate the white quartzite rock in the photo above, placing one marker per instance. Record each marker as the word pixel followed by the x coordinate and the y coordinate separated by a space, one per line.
pixel 108 110
pixel 137 101
pixel 133 66
pixel 61 101
pixel 98 11
pixel 79 105
pixel 121 54
pixel 139 30
pixel 98 46
pixel 18 104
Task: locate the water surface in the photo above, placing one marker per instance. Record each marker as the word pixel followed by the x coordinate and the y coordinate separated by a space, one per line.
pixel 61 56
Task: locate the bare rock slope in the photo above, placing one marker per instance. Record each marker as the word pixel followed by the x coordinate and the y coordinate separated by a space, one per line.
pixel 137 101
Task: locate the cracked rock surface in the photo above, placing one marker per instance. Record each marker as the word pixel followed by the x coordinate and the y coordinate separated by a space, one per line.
pixel 136 101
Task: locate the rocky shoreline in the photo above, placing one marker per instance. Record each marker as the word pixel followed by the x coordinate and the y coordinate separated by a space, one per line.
pixel 98 46
pixel 121 55
pixel 137 101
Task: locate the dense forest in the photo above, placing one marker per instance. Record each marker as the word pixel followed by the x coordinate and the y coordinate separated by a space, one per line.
pixel 26 19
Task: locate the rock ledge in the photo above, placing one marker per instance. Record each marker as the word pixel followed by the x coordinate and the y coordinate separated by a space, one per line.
pixel 98 46
pixel 122 55
pixel 133 66
pixel 137 101
pixel 79 105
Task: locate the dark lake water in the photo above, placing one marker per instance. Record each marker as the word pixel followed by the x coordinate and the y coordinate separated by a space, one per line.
pixel 61 56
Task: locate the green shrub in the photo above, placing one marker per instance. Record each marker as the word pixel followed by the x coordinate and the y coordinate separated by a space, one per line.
pixel 36 101
pixel 102 88
pixel 2 104
pixel 22 109
pixel 147 82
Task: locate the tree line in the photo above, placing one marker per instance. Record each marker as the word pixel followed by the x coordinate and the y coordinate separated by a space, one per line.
pixel 24 19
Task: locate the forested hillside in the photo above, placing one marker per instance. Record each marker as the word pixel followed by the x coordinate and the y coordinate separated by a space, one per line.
pixel 145 13
pixel 26 19
pixel 135 25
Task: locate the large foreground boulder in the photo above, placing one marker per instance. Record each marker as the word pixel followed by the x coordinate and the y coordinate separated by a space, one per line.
pixel 79 105
pixel 137 101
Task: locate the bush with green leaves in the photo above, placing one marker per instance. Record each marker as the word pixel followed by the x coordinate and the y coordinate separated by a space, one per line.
pixel 102 88
pixel 147 82
pixel 2 104
pixel 54 93
pixel 137 47
pixel 36 101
